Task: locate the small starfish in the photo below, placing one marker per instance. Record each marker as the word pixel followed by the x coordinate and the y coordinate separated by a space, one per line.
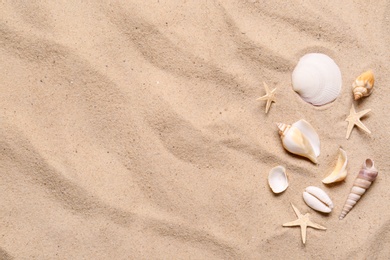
pixel 269 96
pixel 304 222
pixel 354 119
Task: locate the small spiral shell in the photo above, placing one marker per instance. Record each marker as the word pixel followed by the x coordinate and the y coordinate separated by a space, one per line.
pixel 363 85
pixel 362 182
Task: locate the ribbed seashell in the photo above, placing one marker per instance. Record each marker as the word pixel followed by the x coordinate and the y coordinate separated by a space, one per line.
pixel 363 181
pixel 363 85
pixel 317 79
pixel 277 179
pixel 300 138
pixel 317 199
pixel 339 172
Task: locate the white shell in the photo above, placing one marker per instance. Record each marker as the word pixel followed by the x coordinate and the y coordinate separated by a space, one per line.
pixel 317 79
pixel 277 179
pixel 340 172
pixel 317 199
pixel 300 138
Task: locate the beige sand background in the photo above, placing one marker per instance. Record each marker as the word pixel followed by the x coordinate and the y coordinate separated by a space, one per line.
pixel 131 130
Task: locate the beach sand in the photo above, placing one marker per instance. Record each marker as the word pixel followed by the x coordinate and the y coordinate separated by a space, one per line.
pixel 131 129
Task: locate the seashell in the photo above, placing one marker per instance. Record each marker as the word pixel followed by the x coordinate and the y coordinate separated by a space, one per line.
pixel 277 179
pixel 339 173
pixel 300 138
pixel 317 199
pixel 317 79
pixel 363 85
pixel 362 182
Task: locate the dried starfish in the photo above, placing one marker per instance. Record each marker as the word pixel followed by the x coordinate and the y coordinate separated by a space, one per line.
pixel 304 222
pixel 269 96
pixel 354 119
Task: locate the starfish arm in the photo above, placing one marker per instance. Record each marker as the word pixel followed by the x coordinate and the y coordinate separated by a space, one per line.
pixel 352 110
pixel 272 95
pixel 299 214
pixel 362 113
pixel 268 106
pixel 294 223
pixel 263 98
pixel 349 129
pixel 303 233
pixel 360 124
pixel 315 225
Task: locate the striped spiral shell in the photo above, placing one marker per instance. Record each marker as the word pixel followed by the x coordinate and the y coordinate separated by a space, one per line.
pixel 362 182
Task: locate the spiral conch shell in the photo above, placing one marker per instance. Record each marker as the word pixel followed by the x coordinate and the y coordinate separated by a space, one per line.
pixel 300 138
pixel 363 181
pixel 339 172
pixel 363 85
pixel 317 79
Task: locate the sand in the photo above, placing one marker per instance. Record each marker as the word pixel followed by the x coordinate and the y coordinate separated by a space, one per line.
pixel 131 130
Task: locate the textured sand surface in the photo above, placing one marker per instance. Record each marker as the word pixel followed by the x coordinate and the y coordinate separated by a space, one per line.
pixel 131 130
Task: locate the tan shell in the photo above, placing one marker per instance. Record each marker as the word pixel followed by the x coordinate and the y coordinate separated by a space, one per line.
pixel 363 181
pixel 363 85
pixel 339 172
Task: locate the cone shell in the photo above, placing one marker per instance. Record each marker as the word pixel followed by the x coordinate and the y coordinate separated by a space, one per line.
pixel 317 199
pixel 363 85
pixel 277 179
pixel 317 79
pixel 300 138
pixel 339 172
pixel 363 181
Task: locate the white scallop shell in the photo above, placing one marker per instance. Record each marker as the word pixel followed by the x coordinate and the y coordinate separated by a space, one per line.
pixel 277 179
pixel 300 138
pixel 317 79
pixel 317 199
pixel 339 172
